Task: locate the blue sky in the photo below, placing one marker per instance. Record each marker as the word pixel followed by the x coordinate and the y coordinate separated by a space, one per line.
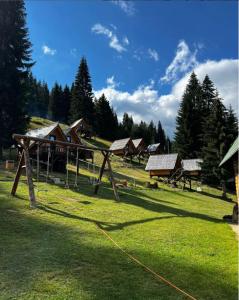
pixel 139 53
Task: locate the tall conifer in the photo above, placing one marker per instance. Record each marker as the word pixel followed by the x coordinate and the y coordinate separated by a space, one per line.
pixel 15 62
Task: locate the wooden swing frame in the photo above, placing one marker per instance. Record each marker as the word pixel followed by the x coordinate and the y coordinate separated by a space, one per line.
pixel 25 142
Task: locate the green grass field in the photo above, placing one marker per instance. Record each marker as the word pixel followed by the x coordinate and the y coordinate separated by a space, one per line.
pixel 57 251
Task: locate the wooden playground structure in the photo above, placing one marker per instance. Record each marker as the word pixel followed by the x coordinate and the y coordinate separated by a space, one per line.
pixel 24 162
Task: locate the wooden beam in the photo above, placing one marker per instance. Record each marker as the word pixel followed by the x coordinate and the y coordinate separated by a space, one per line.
pixel 18 175
pixel 112 179
pixel 32 197
pixel 19 138
pixel 101 171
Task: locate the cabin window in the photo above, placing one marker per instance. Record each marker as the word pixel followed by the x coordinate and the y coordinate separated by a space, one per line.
pixel 69 138
pixel 52 137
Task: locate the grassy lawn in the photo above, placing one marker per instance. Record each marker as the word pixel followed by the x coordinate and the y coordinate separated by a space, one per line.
pixel 58 252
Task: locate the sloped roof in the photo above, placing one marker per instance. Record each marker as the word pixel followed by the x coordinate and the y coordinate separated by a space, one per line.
pixel 119 144
pixel 77 122
pixel 137 142
pixel 42 132
pixel 162 162
pixel 233 149
pixel 153 147
pixel 192 164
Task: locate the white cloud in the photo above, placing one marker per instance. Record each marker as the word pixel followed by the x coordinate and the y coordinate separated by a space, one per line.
pixel 153 54
pixel 145 103
pixel 113 39
pixel 48 51
pixel 73 52
pixel 184 61
pixel 127 6
pixel 126 41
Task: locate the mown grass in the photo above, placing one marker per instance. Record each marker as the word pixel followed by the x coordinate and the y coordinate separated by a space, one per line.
pixel 58 252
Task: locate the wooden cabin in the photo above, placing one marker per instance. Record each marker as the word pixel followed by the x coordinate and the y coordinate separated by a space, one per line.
pixel 73 137
pixel 123 148
pixel 163 165
pixel 154 149
pixel 192 167
pixel 58 153
pixel 139 146
pixel 82 128
pixel 231 159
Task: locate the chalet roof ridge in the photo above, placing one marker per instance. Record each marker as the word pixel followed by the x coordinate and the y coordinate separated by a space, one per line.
pixel 231 151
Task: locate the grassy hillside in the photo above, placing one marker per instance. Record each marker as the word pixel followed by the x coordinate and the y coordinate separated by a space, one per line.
pixel 58 251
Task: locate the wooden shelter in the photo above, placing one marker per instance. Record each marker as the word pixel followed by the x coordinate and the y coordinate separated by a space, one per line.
pixel 163 165
pixel 192 167
pixel 57 153
pixel 231 159
pixel 153 149
pixel 82 128
pixel 123 147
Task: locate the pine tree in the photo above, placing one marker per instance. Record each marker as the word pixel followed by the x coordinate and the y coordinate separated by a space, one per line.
pixel 15 62
pixel 231 127
pixel 161 138
pixel 55 103
pixel 214 143
pixel 106 119
pixel 127 125
pixel 152 133
pixel 82 105
pixel 188 135
pixel 66 102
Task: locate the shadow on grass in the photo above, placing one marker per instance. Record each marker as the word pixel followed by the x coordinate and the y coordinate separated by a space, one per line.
pixel 59 260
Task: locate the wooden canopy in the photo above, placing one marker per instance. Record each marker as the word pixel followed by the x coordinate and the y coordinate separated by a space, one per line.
pixel 192 167
pixel 153 149
pixel 139 145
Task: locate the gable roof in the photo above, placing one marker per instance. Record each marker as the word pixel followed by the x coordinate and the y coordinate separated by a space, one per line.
pixel 43 131
pixel 119 144
pixel 232 150
pixel 71 132
pixel 162 162
pixel 192 164
pixel 137 142
pixel 153 147
pixel 76 123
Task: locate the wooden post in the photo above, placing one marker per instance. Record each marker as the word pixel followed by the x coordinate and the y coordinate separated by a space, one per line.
pixel 29 177
pixel 101 171
pixel 112 178
pixel 18 174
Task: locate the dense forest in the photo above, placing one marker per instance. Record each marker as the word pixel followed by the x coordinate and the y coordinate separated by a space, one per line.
pixel 205 128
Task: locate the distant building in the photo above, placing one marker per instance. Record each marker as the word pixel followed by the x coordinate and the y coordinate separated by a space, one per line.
pixel 123 147
pixel 163 165
pixel 82 128
pixel 154 149
pixel 192 167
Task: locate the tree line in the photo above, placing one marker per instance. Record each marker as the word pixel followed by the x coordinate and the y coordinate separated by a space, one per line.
pixel 205 128
pixel 78 101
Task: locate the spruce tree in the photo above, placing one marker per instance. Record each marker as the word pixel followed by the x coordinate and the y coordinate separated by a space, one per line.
pixel 161 138
pixel 214 140
pixel 188 135
pixel 106 123
pixel 82 105
pixel 55 103
pixel 66 102
pixel 127 125
pixel 15 62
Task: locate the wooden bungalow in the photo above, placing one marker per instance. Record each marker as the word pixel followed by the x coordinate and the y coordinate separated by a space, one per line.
pixel 163 165
pixel 57 153
pixel 231 159
pixel 153 149
pixel 139 146
pixel 192 167
pixel 123 148
pixel 82 128
pixel 73 137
